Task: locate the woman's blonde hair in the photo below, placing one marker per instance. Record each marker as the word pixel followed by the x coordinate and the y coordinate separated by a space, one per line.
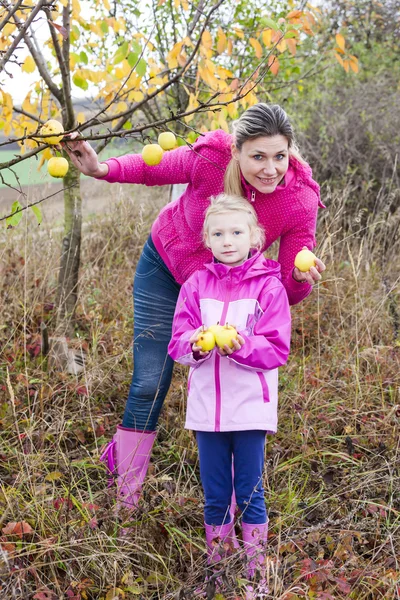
pixel 230 202
pixel 260 120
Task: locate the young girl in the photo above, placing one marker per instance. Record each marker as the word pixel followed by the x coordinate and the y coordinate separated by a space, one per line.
pixel 232 391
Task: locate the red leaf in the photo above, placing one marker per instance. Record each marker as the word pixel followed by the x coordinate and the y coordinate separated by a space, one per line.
pixel 45 595
pixel 19 528
pixel 82 390
pixel 60 29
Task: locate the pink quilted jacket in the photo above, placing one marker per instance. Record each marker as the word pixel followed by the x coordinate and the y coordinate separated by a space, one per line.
pixel 236 392
pixel 289 213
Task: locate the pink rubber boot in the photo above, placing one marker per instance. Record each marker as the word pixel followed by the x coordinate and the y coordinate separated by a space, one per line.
pixel 221 541
pixel 255 542
pixel 128 455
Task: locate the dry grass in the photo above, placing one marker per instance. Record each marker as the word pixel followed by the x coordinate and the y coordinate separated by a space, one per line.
pixel 332 476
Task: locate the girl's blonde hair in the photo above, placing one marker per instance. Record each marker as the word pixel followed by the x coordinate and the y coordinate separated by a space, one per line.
pixel 260 120
pixel 230 202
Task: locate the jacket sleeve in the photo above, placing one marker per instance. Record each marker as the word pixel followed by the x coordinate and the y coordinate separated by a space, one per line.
pixel 187 319
pixel 175 167
pixel 292 241
pixel 268 347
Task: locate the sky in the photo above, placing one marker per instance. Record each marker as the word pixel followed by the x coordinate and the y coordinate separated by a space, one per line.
pixel 18 85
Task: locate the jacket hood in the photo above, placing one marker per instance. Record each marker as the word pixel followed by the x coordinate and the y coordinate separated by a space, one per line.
pixel 254 266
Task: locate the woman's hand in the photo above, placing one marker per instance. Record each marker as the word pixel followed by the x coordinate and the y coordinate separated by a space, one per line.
pixel 311 276
pixel 83 156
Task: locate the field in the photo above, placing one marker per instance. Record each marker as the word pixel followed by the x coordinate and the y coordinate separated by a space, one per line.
pixel 332 471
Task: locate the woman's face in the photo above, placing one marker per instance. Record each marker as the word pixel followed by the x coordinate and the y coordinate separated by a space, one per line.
pixel 263 161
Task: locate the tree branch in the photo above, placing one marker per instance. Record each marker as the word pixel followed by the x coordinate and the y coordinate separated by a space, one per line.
pixel 22 32
pixel 10 13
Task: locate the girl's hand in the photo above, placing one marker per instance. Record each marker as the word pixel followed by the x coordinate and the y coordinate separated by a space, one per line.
pixel 193 339
pixel 311 276
pixel 83 156
pixel 237 344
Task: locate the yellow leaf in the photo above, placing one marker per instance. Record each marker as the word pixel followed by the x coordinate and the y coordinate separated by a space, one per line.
pixel 76 9
pixel 55 475
pixel 273 64
pixel 115 594
pixel 29 65
pixel 80 118
pixel 294 14
pixel 222 41
pixel 354 64
pixel 346 65
pixel 291 44
pixel 281 46
pixel 222 123
pixel 185 5
pixel 339 59
pixel 64 2
pixel 257 47
pixel 267 37
pixel 224 73
pixel 238 32
pixel 106 4
pixel 230 47
pixel 206 40
pixel 340 41
pixel 177 4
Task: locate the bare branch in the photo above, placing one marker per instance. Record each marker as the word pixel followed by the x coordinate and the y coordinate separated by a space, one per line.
pixel 39 59
pixel 63 69
pixel 37 202
pixel 23 29
pixel 10 13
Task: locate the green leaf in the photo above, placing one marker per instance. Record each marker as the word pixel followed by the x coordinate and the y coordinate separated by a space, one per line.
pixel 80 82
pixel 141 67
pixel 14 219
pixel 75 33
pixel 83 58
pixel 136 47
pixel 290 34
pixel 270 23
pixel 38 213
pixel 104 26
pixel 121 53
pixel 127 125
pixel 132 59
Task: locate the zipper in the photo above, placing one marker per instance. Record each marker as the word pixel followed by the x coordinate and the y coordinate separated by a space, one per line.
pixel 253 196
pixel 218 358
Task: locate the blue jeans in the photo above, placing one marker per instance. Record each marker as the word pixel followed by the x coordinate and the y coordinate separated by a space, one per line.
pixel 155 294
pixel 215 453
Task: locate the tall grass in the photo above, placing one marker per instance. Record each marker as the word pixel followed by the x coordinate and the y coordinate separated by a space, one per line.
pixel 332 471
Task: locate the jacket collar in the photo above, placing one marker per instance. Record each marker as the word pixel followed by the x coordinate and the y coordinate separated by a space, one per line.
pixel 252 193
pixel 254 266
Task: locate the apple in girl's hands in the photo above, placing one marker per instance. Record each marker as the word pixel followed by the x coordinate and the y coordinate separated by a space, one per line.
pixel 206 341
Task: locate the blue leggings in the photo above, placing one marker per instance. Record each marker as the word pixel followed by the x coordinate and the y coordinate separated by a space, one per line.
pixel 155 294
pixel 215 452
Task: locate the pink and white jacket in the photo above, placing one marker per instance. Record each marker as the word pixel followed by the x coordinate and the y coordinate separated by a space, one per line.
pixel 289 213
pixel 240 391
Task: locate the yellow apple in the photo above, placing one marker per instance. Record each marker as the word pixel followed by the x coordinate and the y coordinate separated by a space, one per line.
pixel 215 328
pixel 206 341
pixel 49 127
pixel 225 335
pixel 304 260
pixel 57 166
pixel 152 154
pixel 167 140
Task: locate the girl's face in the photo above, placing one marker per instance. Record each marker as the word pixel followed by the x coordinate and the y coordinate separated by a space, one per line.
pixel 263 161
pixel 229 237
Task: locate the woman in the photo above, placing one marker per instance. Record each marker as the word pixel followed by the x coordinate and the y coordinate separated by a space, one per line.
pixel 260 162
